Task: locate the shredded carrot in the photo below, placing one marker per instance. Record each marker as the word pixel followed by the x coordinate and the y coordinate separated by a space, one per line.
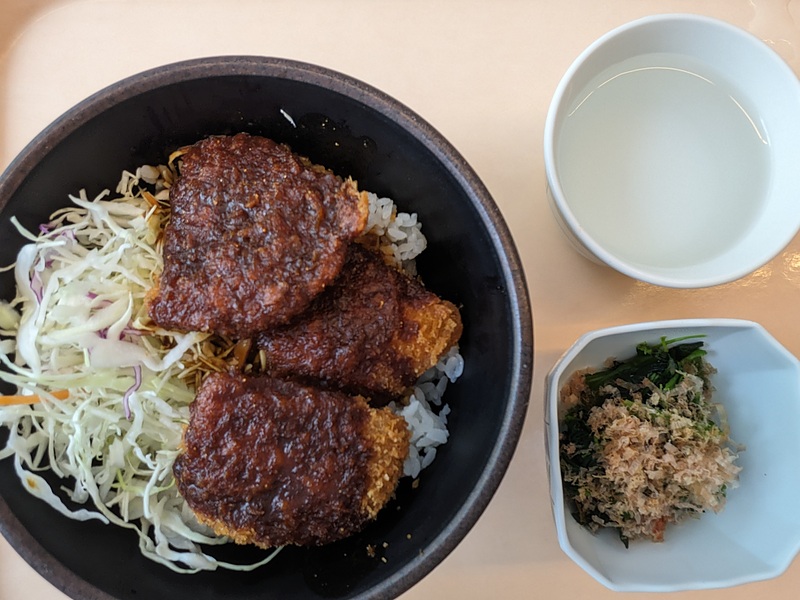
pixel 20 399
pixel 151 200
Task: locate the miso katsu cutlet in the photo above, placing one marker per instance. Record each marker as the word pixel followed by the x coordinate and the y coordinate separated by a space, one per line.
pixel 272 462
pixel 374 331
pixel 255 233
pixel 262 247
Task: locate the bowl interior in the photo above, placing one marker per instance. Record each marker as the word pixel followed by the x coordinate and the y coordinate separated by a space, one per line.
pixel 756 535
pixel 768 94
pixel 357 131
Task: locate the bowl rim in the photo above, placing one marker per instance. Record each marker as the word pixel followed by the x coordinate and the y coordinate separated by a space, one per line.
pixel 512 272
pixel 577 234
pixel 556 490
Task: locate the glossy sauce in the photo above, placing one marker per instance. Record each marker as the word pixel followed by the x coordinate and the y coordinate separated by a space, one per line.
pixel 272 462
pixel 255 233
pixel 354 334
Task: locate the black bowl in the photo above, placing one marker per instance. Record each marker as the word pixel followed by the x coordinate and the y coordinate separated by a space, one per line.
pixel 471 260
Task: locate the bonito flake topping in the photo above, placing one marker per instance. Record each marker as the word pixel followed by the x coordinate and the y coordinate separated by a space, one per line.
pixel 642 446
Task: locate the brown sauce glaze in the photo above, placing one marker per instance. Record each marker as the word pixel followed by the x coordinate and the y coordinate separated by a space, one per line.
pixel 255 233
pixel 272 462
pixel 372 332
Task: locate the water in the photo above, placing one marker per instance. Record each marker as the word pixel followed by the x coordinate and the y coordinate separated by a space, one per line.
pixel 662 162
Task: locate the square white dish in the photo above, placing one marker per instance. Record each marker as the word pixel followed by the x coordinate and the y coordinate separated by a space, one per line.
pixel 757 534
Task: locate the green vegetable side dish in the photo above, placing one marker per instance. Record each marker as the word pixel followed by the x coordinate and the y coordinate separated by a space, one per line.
pixel 641 444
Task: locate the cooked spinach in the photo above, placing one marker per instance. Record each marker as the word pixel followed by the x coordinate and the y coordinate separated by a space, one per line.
pixel 661 363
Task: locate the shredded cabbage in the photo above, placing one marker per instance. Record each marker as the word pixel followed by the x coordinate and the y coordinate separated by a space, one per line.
pixel 78 323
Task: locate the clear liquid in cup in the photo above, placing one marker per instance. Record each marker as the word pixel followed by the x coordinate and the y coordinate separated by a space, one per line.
pixel 662 162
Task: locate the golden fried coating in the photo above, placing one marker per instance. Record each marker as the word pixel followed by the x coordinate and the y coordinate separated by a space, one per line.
pixel 374 331
pixel 255 233
pixel 271 462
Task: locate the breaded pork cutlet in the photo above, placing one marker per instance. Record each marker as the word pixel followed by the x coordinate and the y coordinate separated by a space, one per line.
pixel 374 331
pixel 255 233
pixel 272 463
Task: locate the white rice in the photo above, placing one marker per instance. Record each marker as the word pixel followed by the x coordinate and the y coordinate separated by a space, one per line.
pixel 425 413
pixel 401 240
pixel 399 234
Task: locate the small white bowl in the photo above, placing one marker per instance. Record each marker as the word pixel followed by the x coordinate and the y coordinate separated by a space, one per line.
pixel 757 534
pixel 671 149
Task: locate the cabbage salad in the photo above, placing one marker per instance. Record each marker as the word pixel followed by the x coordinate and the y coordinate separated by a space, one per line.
pixel 103 396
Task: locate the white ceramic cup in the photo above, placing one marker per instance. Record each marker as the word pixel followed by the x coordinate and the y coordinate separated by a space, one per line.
pixel 672 151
